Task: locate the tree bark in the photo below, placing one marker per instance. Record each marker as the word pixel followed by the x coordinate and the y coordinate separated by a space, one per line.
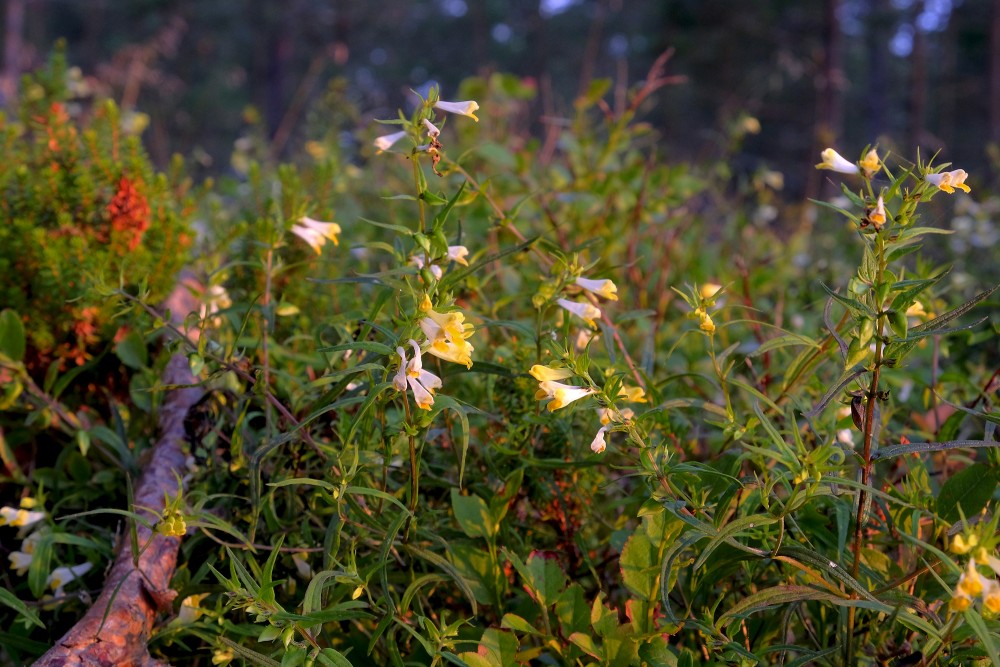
pixel 133 596
pixel 12 41
pixel 995 73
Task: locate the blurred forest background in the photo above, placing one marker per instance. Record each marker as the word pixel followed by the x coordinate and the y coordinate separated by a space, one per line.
pixel 903 73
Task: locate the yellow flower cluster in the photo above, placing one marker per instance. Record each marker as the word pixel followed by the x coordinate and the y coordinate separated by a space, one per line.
pixel 705 322
pixel 972 584
pixel 172 524
pixel 447 334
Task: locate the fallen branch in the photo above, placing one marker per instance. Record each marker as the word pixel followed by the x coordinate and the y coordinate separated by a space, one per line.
pixel 114 631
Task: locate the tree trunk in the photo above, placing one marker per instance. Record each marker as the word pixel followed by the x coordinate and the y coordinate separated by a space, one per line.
pixel 12 47
pixel 114 631
pixel 995 73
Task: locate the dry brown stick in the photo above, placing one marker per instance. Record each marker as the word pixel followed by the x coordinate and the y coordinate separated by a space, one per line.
pixel 132 607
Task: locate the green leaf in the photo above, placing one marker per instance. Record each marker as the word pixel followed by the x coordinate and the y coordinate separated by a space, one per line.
pixel 542 576
pixel 966 492
pixel 853 305
pixel 937 325
pixel 12 340
pixel 131 350
pixel 988 638
pixel 9 599
pixel 572 610
pixel 442 402
pixel 332 658
pixel 473 515
pixel 595 92
pixel 772 597
pixel 783 341
pixel 499 648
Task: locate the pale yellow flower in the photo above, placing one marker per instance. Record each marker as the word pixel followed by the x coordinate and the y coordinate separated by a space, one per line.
pixel 583 338
pixel 316 233
pixel 432 131
pixel 970 583
pixel 64 575
pixel 991 596
pixel 916 309
pixel 633 394
pixel 837 162
pixel 607 415
pixel 458 253
pixel 15 517
pixel 20 561
pixel 604 288
pixel 411 373
pixel 190 609
pixel 751 125
pixel 961 545
pixel 949 180
pixel 585 311
pixel 560 394
pixel 435 270
pixel 546 373
pixel 386 141
pixel 960 602
pixel 871 162
pixel 467 108
pixel 599 444
pixel 222 656
pixel 709 290
pixel 302 566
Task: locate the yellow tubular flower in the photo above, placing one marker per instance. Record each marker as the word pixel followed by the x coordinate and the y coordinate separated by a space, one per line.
pixel 991 596
pixel 877 216
pixel 836 162
pixel 604 288
pixel 871 162
pixel 65 575
pixel 467 108
pixel 949 180
pixel 386 141
pixel 458 253
pixel 411 374
pixel 20 561
pixel 544 373
pixel 960 545
pixel 607 415
pixel 432 131
pixel 970 583
pixel 708 290
pixel 633 394
pixel 706 323
pixel 316 233
pixel 19 517
pixel 960 602
pixel 560 394
pixel 585 311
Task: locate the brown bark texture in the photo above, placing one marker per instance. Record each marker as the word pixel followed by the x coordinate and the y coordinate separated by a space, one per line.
pixel 133 596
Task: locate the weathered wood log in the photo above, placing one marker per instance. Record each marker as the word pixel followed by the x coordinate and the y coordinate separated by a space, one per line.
pixel 115 630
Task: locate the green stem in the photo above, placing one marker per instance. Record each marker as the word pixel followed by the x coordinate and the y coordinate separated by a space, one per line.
pixel 868 428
